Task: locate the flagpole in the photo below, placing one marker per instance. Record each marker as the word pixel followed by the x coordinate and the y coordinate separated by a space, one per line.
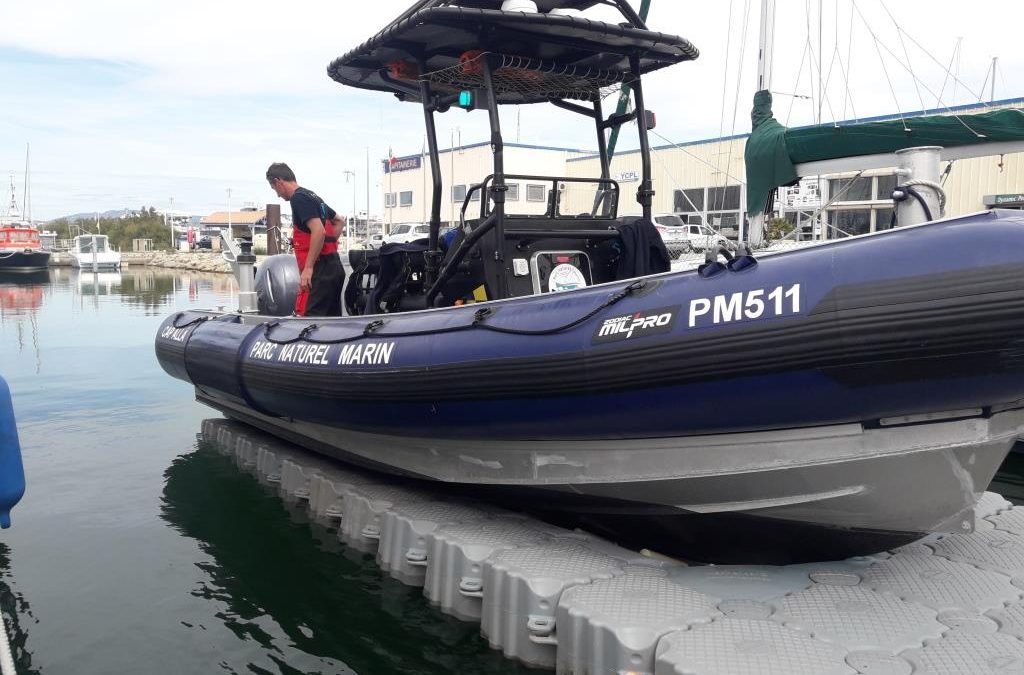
pixel 391 190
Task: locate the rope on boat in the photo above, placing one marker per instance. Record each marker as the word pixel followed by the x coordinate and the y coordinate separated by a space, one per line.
pixel 193 322
pixel 481 315
pixel 939 191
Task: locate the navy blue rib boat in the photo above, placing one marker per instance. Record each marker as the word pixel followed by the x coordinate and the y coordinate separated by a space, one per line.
pixel 832 400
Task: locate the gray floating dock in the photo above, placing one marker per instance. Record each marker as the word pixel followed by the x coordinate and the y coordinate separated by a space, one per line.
pixel 568 601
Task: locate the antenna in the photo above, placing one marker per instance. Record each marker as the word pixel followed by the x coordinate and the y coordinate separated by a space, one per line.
pixel 27 203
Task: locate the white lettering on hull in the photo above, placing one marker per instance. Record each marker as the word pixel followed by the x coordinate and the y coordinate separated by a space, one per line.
pixel 366 354
pixel 175 334
pixel 742 305
pixel 355 354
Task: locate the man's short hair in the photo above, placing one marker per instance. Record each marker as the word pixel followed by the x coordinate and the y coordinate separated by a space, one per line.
pixel 282 171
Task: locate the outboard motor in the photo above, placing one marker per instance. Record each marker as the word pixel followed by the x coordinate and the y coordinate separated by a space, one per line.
pixel 12 474
pixel 277 285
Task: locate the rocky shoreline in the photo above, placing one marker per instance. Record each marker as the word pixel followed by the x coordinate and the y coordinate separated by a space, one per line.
pixel 200 261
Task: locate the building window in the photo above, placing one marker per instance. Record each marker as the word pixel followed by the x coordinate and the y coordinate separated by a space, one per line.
pixel 689 201
pixel 727 223
pixel 405 198
pixel 883 218
pixel 535 193
pixel 389 200
pixel 458 193
pixel 886 184
pixel 474 196
pixel 849 222
pixel 725 198
pixel 513 192
pixel 850 189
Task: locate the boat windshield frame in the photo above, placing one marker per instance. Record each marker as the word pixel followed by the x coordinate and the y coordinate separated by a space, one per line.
pixel 99 242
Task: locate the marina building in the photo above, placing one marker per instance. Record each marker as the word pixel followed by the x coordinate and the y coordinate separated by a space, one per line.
pixel 249 222
pixel 703 181
pixel 407 185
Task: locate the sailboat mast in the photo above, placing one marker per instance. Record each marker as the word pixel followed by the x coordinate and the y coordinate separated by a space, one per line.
pixel 992 90
pixel 766 45
pixel 27 203
pixel 765 52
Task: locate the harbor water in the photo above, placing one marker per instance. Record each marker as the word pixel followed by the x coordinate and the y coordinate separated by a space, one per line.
pixel 138 549
pixel 135 550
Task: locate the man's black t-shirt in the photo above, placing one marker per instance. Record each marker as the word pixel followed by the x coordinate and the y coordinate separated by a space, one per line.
pixel 306 205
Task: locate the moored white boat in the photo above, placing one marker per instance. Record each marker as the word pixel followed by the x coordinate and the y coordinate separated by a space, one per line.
pixel 93 252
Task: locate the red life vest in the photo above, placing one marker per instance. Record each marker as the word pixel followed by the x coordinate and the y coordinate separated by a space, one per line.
pixel 300 243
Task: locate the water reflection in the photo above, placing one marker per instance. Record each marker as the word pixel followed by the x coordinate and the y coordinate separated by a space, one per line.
pixel 282 590
pixel 22 294
pixel 98 283
pixel 15 611
pixel 21 297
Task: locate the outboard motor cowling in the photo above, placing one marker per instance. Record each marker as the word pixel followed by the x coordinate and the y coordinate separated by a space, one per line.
pixel 277 285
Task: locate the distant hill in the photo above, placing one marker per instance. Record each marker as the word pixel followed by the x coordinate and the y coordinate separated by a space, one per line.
pixel 116 213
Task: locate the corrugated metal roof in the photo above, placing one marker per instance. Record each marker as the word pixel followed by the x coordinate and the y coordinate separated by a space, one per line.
pixel 237 217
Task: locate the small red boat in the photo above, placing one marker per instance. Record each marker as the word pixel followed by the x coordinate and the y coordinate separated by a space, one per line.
pixel 21 250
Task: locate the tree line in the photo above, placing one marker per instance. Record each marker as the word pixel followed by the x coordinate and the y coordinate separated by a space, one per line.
pixel 146 224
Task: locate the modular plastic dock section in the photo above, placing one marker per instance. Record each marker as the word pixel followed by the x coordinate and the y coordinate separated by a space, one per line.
pixel 569 601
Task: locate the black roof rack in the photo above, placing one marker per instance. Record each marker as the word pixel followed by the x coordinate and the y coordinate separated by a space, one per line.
pixel 546 56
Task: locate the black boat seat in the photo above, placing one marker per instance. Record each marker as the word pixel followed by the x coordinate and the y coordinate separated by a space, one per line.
pixel 389 279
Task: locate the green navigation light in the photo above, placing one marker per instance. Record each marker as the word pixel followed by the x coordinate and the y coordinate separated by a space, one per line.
pixel 466 99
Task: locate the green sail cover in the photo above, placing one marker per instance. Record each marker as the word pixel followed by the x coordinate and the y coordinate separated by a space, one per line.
pixel 773 150
pixel 766 155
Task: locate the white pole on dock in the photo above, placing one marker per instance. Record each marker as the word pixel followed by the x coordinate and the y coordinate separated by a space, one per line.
pixel 170 219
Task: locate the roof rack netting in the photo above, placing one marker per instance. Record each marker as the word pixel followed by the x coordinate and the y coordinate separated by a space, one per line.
pixel 529 78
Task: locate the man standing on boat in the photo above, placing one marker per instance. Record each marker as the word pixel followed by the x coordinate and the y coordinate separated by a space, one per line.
pixel 315 240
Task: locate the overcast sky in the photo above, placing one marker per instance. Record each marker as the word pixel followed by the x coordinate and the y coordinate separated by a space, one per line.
pixel 129 103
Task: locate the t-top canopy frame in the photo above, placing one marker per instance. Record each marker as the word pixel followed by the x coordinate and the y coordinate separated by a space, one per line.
pixel 437 47
pixel 434 34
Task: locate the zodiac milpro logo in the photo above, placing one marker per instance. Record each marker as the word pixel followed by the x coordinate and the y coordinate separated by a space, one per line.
pixel 637 324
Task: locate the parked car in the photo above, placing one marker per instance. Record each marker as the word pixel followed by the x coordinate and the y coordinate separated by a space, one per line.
pixel 204 242
pixel 699 237
pixel 674 234
pixel 374 241
pixel 407 232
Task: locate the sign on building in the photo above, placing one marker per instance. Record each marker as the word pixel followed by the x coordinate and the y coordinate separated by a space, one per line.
pixel 1005 200
pixel 403 164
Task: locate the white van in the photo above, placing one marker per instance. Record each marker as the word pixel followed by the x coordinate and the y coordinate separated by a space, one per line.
pixel 674 231
pixel 407 232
